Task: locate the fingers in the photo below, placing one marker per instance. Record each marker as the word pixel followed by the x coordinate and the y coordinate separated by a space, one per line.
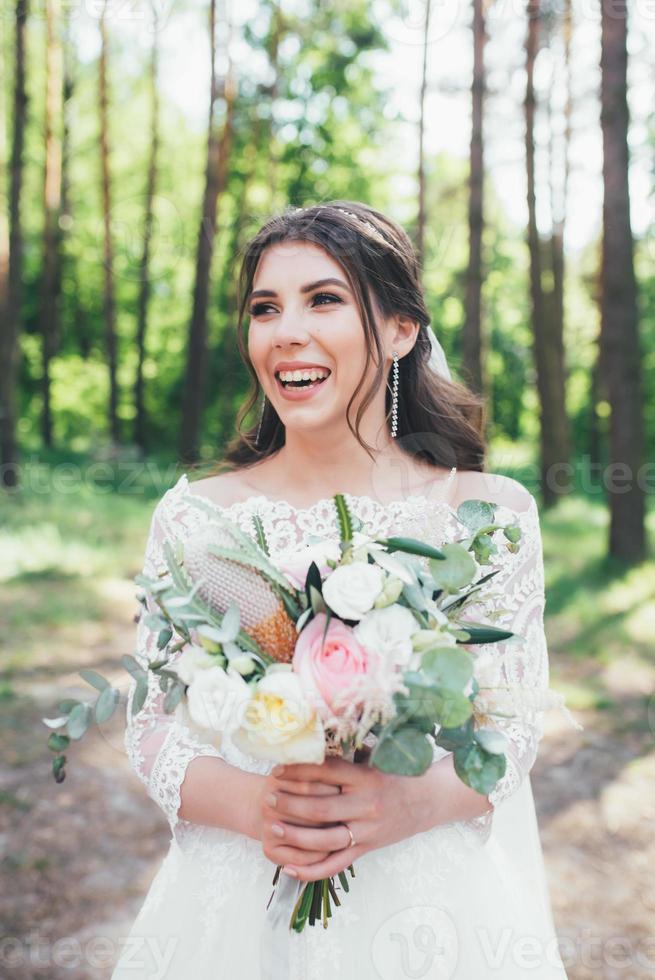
pixel 305 787
pixel 330 866
pixel 334 770
pixel 328 839
pixel 309 809
pixel 283 854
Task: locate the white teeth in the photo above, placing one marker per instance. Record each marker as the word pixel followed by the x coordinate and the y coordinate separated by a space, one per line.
pixel 307 374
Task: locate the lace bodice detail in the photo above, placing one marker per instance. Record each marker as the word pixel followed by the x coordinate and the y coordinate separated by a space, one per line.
pixel 160 747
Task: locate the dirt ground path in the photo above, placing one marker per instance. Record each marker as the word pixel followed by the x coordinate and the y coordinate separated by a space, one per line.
pixel 77 859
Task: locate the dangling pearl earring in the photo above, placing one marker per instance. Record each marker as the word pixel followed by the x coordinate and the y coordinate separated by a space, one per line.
pixel 394 396
pixel 261 416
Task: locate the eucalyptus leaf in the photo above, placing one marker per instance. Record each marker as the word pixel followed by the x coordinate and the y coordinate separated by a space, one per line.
pixel 140 694
pixel 58 768
pixel 449 667
pixel 57 742
pixel 173 697
pixel 106 704
pixel 405 751
pixel 155 621
pixel 164 637
pixel 452 738
pixel 491 740
pixel 79 720
pixel 67 704
pixel 513 533
pixel 456 571
pixel 95 679
pixel 132 666
pixel 475 513
pixel 478 768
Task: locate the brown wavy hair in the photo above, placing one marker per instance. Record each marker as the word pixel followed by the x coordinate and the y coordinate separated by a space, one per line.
pixel 439 421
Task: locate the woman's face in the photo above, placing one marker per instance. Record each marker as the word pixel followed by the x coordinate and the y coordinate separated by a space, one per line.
pixel 295 317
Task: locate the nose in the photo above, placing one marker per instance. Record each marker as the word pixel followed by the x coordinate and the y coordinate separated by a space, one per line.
pixel 290 328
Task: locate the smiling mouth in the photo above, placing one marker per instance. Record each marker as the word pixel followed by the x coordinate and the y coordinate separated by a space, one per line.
pixel 301 384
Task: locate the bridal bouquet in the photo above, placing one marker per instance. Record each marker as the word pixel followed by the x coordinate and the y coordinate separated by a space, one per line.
pixel 334 648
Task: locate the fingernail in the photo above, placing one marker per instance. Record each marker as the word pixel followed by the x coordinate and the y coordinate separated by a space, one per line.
pixel 277 830
pixel 291 872
pixel 271 799
pixel 278 770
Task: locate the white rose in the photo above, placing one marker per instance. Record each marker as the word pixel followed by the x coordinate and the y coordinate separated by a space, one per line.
pixel 295 564
pixel 191 662
pixel 388 632
pixel 279 723
pixel 351 590
pixel 217 698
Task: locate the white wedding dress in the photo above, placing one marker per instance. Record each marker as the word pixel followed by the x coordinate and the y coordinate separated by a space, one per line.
pixel 466 900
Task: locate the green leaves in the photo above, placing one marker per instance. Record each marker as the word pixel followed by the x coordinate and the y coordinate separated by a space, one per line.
pixel 95 679
pixel 405 751
pixel 475 514
pixel 412 546
pixel 344 517
pixel 106 704
pixel 484 633
pixel 449 667
pixel 456 571
pixel 478 768
pixel 79 720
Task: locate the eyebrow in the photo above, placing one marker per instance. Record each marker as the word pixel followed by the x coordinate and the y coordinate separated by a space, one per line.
pixel 307 288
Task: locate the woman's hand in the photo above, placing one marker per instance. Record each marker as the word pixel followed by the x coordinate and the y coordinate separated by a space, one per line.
pixel 378 807
pixel 280 849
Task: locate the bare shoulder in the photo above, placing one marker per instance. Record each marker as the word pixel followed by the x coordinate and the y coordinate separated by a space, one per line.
pixel 493 487
pixel 223 489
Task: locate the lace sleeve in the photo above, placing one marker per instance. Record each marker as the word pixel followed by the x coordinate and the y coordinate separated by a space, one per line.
pixel 159 746
pixel 516 600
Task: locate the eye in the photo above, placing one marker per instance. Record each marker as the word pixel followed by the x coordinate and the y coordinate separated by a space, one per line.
pixel 330 296
pixel 260 309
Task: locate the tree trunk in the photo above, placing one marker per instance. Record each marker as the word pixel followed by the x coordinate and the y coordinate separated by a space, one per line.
pixel 472 338
pixel 109 301
pixel 218 153
pixel 140 424
pixel 554 350
pixel 11 266
pixel 620 354
pixel 50 298
pixel 421 219
pixel 552 408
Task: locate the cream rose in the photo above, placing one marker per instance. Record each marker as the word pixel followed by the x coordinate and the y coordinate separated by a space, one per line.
pixel 279 723
pixel 351 590
pixel 216 699
pixel 192 661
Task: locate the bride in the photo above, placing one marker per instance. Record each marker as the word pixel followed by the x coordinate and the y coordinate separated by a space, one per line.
pixel 449 883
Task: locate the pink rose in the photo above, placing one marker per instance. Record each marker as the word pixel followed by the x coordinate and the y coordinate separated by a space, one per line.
pixel 295 564
pixel 325 669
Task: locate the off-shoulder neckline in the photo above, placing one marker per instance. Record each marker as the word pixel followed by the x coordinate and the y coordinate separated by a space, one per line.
pixel 183 485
